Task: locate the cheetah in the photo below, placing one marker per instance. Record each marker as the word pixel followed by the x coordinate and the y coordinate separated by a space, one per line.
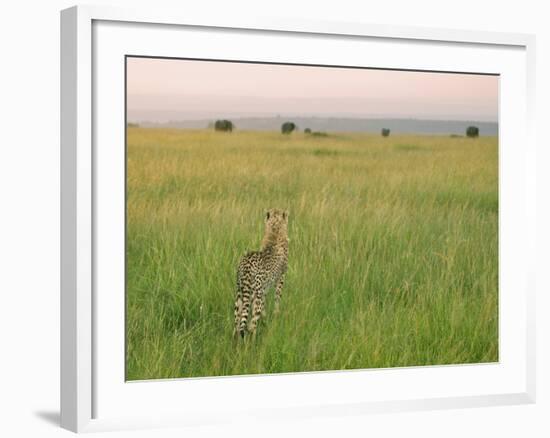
pixel 258 271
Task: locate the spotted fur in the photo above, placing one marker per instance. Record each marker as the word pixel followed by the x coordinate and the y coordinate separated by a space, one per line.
pixel 260 270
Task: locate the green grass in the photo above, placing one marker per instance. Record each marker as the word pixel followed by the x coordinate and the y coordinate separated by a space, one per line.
pixel 393 250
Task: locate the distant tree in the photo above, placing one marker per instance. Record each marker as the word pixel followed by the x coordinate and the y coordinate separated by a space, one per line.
pixel 319 134
pixel 133 125
pixel 307 131
pixel 288 127
pixel 385 132
pixel 472 131
pixel 224 125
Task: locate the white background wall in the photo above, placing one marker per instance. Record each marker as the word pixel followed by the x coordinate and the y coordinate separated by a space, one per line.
pixel 29 215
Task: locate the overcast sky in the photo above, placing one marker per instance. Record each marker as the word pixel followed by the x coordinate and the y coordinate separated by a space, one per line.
pixel 160 90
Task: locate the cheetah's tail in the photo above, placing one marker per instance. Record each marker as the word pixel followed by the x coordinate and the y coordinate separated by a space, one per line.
pixel 242 309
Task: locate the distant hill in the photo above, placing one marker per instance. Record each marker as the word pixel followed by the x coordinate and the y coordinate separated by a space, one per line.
pixel 332 124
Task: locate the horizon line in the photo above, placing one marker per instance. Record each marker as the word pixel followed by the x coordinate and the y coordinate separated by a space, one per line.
pixel 201 119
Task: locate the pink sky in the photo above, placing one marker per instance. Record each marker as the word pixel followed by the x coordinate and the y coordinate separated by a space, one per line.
pixel 172 89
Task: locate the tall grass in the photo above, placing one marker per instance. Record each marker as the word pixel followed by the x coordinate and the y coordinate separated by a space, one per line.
pixel 393 250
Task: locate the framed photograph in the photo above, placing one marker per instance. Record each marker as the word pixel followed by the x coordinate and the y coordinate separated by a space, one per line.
pixel 284 218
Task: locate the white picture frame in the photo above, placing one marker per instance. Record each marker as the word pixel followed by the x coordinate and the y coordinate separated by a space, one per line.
pixel 94 395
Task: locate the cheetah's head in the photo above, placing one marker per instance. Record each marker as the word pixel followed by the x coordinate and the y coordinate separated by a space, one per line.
pixel 276 219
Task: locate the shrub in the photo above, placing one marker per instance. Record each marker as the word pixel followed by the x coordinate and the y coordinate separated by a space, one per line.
pixel 224 125
pixel 307 131
pixel 132 125
pixel 472 131
pixel 319 134
pixel 288 127
pixel 385 132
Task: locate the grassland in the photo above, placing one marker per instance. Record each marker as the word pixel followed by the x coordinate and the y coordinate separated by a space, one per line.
pixel 393 250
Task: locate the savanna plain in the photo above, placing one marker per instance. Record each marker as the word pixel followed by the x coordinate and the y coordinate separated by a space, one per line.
pixel 393 251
